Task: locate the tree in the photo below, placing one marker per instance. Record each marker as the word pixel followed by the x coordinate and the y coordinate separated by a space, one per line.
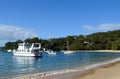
pixel 96 41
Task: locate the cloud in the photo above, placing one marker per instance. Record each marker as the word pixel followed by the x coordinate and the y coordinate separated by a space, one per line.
pixel 8 32
pixel 102 27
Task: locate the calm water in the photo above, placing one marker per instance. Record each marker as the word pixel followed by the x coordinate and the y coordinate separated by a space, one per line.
pixel 11 66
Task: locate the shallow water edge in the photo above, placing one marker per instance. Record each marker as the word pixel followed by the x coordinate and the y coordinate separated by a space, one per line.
pixel 67 71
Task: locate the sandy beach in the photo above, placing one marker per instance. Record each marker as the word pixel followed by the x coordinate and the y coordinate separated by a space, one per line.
pixel 111 71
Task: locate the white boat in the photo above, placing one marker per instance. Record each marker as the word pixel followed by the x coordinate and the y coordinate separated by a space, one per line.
pixel 68 52
pixel 9 50
pixel 50 52
pixel 26 49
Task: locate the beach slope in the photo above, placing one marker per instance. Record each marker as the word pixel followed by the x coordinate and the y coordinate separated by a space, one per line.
pixel 109 72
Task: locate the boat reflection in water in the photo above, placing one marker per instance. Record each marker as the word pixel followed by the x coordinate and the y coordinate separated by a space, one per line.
pixel 24 60
pixel 25 65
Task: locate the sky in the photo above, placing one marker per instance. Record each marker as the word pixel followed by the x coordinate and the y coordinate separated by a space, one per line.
pixel 21 19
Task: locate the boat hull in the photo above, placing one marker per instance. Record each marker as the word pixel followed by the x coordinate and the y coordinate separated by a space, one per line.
pixel 28 54
pixel 68 52
pixel 51 52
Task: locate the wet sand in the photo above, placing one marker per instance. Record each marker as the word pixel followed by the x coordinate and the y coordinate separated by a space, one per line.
pixel 108 72
pixel 111 71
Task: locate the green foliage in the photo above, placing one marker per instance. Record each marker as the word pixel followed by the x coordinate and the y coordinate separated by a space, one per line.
pixel 12 45
pixel 96 41
pixel 116 45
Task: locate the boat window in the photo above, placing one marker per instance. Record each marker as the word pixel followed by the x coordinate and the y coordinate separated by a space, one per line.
pixel 20 44
pixel 36 45
pixel 28 50
pixel 27 45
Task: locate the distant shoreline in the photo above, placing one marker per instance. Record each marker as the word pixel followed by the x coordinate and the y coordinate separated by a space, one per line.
pixel 100 50
pixel 116 51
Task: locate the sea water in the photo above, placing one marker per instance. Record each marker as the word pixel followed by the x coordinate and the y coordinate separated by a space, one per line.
pixel 12 66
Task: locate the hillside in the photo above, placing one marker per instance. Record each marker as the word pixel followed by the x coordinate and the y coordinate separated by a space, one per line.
pixel 96 41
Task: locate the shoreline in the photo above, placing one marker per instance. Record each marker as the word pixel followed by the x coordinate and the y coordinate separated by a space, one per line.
pixel 71 73
pixel 116 51
pixel 91 74
pixel 109 51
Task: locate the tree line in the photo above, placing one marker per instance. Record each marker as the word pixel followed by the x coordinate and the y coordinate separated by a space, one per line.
pixel 97 41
